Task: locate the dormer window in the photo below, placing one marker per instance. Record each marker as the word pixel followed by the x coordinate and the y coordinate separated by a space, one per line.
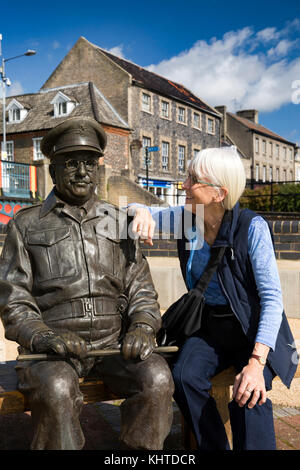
pixel 16 112
pixel 62 108
pixel 63 105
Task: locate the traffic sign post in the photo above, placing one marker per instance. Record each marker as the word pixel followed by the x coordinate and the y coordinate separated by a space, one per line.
pixel 147 150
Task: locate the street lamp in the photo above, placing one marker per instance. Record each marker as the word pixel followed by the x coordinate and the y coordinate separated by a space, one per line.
pixel 6 81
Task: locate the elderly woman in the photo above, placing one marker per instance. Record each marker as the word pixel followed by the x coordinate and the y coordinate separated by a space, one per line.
pixel 243 323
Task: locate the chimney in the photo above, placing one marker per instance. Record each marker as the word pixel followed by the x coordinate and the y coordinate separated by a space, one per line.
pixel 222 110
pixel 251 114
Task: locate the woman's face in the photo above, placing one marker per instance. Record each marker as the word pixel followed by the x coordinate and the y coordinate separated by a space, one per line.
pixel 199 191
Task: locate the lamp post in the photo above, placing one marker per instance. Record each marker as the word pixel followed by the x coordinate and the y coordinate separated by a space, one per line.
pixel 6 81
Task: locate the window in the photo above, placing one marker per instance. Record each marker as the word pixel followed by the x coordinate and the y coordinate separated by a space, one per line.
pixel 195 152
pixel 165 109
pixel 165 151
pixel 284 176
pixel 284 153
pixel 264 147
pixel 63 105
pixel 9 150
pixel 291 155
pixel 181 158
pixel 196 120
pixel 37 154
pixel 270 174
pixel 210 125
pixel 146 143
pixel 256 144
pixel 277 151
pixel 264 174
pixel 16 114
pixel 16 111
pixel 291 175
pixel 181 115
pixel 277 175
pixel 146 102
pixel 271 149
pixel 62 108
pixel 256 172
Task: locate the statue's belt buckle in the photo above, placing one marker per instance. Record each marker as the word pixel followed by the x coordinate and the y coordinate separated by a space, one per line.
pixel 88 306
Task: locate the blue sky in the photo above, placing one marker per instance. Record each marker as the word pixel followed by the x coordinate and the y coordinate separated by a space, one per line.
pixel 242 54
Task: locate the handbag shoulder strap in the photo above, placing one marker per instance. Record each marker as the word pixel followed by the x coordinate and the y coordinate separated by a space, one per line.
pixel 214 260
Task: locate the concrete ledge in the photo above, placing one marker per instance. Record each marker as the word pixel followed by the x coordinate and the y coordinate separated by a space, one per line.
pixel 168 281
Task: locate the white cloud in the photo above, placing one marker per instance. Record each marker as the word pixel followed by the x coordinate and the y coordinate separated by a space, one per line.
pixel 56 45
pixel 118 51
pixel 14 89
pixel 282 48
pixel 240 70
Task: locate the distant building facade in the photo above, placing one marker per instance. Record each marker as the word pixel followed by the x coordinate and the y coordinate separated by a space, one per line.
pixel 159 112
pixel 266 156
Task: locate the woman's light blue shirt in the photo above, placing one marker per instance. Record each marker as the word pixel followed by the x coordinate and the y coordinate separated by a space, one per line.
pixel 262 256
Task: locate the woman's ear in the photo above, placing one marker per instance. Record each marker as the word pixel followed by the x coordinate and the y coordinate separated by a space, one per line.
pixel 221 194
pixel 52 172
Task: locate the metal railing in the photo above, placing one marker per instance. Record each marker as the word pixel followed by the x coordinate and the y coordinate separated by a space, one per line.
pixel 275 191
pixel 15 179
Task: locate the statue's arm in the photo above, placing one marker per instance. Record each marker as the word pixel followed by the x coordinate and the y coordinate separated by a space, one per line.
pixel 18 309
pixel 140 290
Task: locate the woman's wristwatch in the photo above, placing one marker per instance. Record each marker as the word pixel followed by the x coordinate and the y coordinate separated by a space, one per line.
pixel 262 360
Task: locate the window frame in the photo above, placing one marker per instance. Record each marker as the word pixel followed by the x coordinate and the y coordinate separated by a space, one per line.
pixel 169 103
pixel 209 118
pixel 35 151
pixel 164 156
pixel 199 114
pixel 181 146
pixel 8 144
pixel 184 108
pixel 147 93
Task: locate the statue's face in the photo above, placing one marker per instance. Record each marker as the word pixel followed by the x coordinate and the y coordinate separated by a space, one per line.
pixel 75 175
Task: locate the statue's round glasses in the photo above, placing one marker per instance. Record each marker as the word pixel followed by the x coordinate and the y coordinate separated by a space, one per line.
pixel 194 180
pixel 73 164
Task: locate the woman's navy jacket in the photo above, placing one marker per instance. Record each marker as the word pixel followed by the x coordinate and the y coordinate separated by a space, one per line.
pixel 237 279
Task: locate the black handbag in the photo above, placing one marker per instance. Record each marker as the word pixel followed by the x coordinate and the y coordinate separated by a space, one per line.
pixel 183 317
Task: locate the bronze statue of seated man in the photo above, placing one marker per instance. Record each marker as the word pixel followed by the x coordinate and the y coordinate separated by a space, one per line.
pixel 64 267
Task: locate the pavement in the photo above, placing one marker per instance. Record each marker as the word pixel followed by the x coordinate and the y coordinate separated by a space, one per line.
pixel 101 426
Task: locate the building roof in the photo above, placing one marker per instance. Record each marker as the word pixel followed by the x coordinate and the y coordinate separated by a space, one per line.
pixel 159 84
pixel 258 128
pixel 89 101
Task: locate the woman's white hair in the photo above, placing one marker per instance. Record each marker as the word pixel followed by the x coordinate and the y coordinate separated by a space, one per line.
pixel 221 166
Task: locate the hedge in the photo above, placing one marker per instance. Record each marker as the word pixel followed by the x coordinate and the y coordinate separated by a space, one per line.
pixel 286 198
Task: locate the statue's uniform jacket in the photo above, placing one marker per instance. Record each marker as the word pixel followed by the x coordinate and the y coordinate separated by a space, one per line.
pixel 61 273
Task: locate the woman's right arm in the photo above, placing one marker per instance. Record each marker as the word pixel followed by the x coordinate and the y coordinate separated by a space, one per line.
pixel 147 218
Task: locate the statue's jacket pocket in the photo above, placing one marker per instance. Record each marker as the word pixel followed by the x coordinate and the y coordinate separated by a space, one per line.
pixel 109 253
pixel 52 252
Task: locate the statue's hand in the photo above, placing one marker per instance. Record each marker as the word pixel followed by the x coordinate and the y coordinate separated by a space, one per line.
pixel 139 342
pixel 64 344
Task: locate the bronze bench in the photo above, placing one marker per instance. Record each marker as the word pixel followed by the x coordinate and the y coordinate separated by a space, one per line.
pixel 12 401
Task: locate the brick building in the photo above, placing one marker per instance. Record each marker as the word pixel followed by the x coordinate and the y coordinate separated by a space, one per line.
pixel 29 117
pixel 159 112
pixel 266 156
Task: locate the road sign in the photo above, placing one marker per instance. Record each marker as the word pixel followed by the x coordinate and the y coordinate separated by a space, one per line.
pixel 153 149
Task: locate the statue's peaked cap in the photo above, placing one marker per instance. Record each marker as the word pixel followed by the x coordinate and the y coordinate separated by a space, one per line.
pixel 78 133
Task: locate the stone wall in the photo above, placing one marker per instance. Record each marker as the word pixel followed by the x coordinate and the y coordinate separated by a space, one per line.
pixel 159 129
pixel 286 238
pixel 123 187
